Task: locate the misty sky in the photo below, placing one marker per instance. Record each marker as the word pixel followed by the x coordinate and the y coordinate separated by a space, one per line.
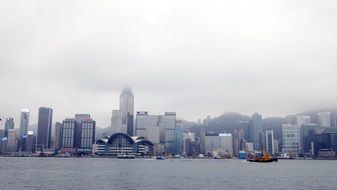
pixel 197 58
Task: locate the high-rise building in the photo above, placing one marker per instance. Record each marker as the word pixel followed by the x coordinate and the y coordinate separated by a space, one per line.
pixel 117 125
pixel 256 131
pixel 269 143
pixel 1 136
pixel 302 120
pixel 219 144
pixel 11 143
pixel 8 125
pixel 167 128
pixel 126 106
pixel 87 135
pixel 30 139
pixel 24 122
pixel 324 119
pixel 44 124
pixel 58 136
pixel 291 139
pixel 179 136
pixel 68 135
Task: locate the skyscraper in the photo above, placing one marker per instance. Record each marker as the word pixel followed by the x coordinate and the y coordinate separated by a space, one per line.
pixel 44 128
pixel 126 106
pixel 302 120
pixel 117 125
pixel 58 136
pixel 256 131
pixel 291 139
pixel 167 127
pixel 24 122
pixel 68 135
pixel 8 125
pixel 324 119
pixel 11 143
pixel 269 142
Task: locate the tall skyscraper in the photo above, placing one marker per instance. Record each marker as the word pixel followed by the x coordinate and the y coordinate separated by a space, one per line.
pixel 30 141
pixel 291 139
pixel 167 127
pixel 256 131
pixel 44 128
pixel 24 122
pixel 68 135
pixel 11 143
pixel 117 125
pixel 324 119
pixel 126 106
pixel 269 144
pixel 8 125
pixel 58 136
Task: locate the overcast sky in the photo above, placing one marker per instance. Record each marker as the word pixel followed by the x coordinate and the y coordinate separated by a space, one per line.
pixel 197 58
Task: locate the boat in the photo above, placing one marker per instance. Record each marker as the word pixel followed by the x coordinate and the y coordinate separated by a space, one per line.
pixel 160 157
pixel 265 158
pixel 126 156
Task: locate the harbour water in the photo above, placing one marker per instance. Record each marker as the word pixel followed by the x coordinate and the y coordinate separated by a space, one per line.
pixel 106 173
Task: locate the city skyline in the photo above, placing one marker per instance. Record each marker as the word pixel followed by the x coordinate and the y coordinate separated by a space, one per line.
pixel 196 59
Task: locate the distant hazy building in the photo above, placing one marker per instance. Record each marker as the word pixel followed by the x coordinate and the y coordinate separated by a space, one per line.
pixel 8 125
pixel 219 144
pixel 188 140
pixel 302 120
pixel 256 131
pixel 291 139
pixel 249 147
pixel 276 147
pixel 269 142
pixel 148 126
pixel 24 122
pixel 308 137
pixel 168 125
pixel 179 136
pixel 126 106
pixel 117 125
pixel 58 136
pixel 12 142
pixel 44 128
pixel 324 119
pixel 1 137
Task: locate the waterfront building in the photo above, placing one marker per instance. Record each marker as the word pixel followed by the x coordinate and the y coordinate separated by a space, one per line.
pixel 167 128
pixel 30 139
pixel 8 125
pixel 256 131
pixel 117 125
pixel 1 136
pixel 276 147
pixel 291 139
pixel 219 144
pixel 68 135
pixel 58 136
pixel 308 137
pixel 324 119
pixel 123 144
pixel 179 136
pixel 188 141
pixel 87 136
pixel 24 122
pixel 44 124
pixel 249 147
pixel 126 106
pixel 12 142
pixel 269 142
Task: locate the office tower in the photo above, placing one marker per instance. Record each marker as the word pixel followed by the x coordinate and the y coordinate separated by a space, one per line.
pixel 324 119
pixel 219 144
pixel 167 128
pixel 117 125
pixel 43 140
pixel 30 139
pixel 8 125
pixel 11 143
pixel 269 144
pixel 126 106
pixel 1 136
pixel 276 147
pixel 58 136
pixel 87 135
pixel 302 120
pixel 256 131
pixel 291 139
pixel 68 135
pixel 179 136
pixel 188 140
pixel 24 122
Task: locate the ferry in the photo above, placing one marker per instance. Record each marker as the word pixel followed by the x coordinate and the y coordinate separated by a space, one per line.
pixel 126 156
pixel 265 158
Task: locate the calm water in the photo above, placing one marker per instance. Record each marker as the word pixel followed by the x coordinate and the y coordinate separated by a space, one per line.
pixel 88 173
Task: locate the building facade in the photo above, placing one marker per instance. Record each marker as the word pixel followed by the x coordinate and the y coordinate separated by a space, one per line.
pixel 324 119
pixel 269 142
pixel 126 106
pixel 44 128
pixel 24 122
pixel 256 131
pixel 291 139
pixel 8 125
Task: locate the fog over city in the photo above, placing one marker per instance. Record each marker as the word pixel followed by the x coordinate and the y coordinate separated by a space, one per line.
pixel 196 58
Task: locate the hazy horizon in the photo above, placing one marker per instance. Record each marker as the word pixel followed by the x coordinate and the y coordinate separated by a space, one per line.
pixel 193 57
